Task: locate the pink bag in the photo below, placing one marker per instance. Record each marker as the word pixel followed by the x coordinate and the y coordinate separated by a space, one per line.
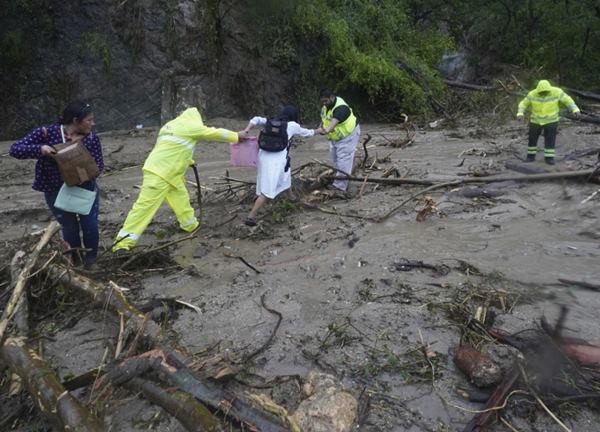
pixel 244 153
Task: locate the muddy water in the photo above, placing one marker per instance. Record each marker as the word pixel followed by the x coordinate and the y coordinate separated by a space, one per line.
pixel 326 272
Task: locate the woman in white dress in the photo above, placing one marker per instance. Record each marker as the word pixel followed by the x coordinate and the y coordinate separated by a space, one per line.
pixel 273 172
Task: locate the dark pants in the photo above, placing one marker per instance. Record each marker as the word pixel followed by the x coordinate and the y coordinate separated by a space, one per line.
pixel 72 223
pixel 550 131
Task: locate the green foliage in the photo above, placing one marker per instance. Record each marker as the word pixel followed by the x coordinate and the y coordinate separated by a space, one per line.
pixel 560 40
pixel 282 209
pixel 98 46
pixel 364 47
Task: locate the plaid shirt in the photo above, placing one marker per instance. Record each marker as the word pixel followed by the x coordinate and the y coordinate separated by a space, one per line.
pixel 47 176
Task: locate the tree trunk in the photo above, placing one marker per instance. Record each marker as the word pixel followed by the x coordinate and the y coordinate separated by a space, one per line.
pixel 54 402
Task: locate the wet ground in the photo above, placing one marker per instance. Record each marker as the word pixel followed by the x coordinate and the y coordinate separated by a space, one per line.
pixel 354 303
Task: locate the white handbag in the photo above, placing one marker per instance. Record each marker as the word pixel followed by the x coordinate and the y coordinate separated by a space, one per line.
pixel 75 199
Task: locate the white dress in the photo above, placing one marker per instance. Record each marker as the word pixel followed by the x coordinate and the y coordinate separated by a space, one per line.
pixel 271 177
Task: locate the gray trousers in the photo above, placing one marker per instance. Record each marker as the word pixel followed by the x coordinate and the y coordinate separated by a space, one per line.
pixel 342 156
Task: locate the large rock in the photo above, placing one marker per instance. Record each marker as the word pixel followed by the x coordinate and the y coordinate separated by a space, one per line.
pixel 327 408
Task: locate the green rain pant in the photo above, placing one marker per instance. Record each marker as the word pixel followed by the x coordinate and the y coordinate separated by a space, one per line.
pixel 154 191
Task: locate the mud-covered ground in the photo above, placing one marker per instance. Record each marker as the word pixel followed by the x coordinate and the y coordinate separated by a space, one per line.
pixel 353 302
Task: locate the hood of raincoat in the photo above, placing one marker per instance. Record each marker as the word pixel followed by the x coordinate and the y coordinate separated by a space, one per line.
pixel 186 125
pixel 543 86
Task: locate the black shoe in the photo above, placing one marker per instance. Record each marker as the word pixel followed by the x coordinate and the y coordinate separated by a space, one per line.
pixel 550 161
pixel 250 222
pixel 530 158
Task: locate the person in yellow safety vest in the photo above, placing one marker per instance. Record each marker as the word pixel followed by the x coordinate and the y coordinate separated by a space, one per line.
pixel 163 175
pixel 544 103
pixel 340 125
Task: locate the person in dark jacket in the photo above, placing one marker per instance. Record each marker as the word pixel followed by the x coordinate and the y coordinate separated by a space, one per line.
pixel 75 123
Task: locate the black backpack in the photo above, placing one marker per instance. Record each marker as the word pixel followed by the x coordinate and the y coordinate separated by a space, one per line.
pixel 273 137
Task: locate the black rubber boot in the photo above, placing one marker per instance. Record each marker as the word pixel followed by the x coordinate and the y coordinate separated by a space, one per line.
pixel 550 161
pixel 530 158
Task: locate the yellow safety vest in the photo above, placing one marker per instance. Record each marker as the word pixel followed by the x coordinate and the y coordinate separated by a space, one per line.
pixel 342 129
pixel 174 149
pixel 545 109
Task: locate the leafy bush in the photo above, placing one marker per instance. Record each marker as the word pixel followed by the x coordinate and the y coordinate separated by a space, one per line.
pixel 367 47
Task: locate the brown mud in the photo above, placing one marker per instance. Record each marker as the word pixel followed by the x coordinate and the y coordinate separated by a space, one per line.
pixel 354 303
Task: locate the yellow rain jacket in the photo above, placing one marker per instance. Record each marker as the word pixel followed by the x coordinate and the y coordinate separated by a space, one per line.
pixel 164 176
pixel 174 149
pixel 545 109
pixel 341 130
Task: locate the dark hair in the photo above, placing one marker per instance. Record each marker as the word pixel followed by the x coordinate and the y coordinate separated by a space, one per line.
pixel 289 113
pixel 74 110
pixel 325 93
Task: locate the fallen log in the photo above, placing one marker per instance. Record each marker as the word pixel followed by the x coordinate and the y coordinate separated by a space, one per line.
pixel 584 94
pixel 53 401
pixel 468 86
pixel 21 282
pixel 109 297
pixel 177 373
pixel 190 412
pixel 460 181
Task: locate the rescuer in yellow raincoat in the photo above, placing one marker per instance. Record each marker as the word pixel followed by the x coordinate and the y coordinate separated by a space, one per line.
pixel 544 103
pixel 164 172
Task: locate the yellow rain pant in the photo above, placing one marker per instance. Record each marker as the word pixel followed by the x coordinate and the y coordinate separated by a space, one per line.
pixel 154 191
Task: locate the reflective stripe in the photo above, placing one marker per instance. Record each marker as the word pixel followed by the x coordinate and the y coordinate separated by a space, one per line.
pixel 531 150
pixel 572 107
pixel 536 99
pixel 190 145
pixel 188 222
pixel 549 152
pixel 550 117
pixel 124 234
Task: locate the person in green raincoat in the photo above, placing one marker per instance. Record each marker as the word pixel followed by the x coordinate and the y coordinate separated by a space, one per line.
pixel 163 175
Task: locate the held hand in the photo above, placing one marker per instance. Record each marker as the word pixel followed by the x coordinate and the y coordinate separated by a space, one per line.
pixel 47 150
pixel 243 134
pixel 320 131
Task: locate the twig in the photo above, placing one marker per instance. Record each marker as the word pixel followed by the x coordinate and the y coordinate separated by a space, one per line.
pixel 333 168
pixel 590 197
pixel 121 334
pixel 428 189
pixel 157 248
pixel 267 343
pixel 507 424
pixel 539 401
pixel 196 308
pixel 228 255
pixel 21 282
pixel 364 162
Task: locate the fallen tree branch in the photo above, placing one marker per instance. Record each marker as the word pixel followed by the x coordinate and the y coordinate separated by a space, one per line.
pixel 460 181
pixel 213 395
pixel 181 376
pixel 273 332
pixel 242 259
pixel 21 282
pixel 191 414
pixel 53 401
